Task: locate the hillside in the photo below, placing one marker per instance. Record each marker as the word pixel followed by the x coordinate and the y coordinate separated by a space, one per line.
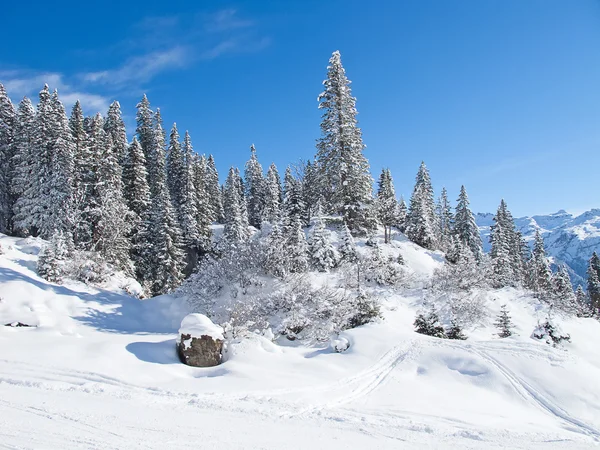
pixel 99 370
pixel 569 239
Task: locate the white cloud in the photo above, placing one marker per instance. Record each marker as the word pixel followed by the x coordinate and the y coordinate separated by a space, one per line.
pixel 141 68
pixel 26 83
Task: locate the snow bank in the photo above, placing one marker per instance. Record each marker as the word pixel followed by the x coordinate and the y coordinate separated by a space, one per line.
pixel 197 325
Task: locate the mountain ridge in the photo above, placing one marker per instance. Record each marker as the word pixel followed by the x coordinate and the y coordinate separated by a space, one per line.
pixel 570 239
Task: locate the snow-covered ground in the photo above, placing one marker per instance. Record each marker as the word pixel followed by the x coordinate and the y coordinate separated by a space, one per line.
pixel 100 371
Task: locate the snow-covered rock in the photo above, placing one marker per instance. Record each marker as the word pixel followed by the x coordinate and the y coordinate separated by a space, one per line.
pixel 200 341
pixel 339 344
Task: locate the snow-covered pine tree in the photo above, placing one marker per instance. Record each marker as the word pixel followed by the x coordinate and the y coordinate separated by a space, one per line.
pixel 272 206
pixel 59 214
pixel 236 229
pixel 115 127
pixel 455 331
pixel 137 197
pixel 310 190
pixel 181 179
pixel 243 200
pixel 541 275
pixel 593 282
pixel 8 118
pixel 80 159
pixel 506 253
pixel 401 215
pixel 293 199
pixel 293 233
pixel 583 302
pixel 24 163
pixel 296 245
pixel 421 220
pixel 323 255
pixel 445 221
pixel 387 205
pixel 145 128
pixel 165 257
pixel 255 189
pixel 188 199
pixel 213 188
pixel 52 258
pixel 176 170
pixel 344 177
pixel 87 195
pixel 504 323
pixel 276 253
pixel 30 206
pixel 429 324
pixel 465 227
pixel 564 296
pixel 347 248
pixel 114 222
pixel 204 212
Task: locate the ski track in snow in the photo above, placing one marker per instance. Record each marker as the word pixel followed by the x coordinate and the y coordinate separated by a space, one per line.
pixel 528 392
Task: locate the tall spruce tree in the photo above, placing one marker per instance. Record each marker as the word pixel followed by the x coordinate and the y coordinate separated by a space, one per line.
pixel 8 118
pixel 24 161
pixel 509 251
pixel 387 205
pixel 204 212
pixel 236 228
pixel 115 127
pixel 165 258
pixel 137 197
pixel 401 215
pixel 145 127
pixel 255 189
pixel 541 275
pixel 114 222
pixel 344 178
pixel 213 188
pixel 465 227
pixel 421 220
pixel 272 205
pixel 323 255
pixel 59 214
pixel 593 282
pixel 445 221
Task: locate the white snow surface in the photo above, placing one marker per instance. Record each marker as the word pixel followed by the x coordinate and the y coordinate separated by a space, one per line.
pixel 100 370
pixel 197 325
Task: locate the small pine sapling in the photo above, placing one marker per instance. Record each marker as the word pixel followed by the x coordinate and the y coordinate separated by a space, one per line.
pixel 504 323
pixel 455 331
pixel 429 324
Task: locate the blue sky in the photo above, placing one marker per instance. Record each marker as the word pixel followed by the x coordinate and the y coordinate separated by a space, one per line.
pixel 500 95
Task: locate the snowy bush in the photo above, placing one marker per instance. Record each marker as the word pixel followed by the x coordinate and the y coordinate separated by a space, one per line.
pixel 88 267
pixel 365 310
pixel 376 268
pixel 52 258
pixel 429 324
pixel 455 331
pixel 550 332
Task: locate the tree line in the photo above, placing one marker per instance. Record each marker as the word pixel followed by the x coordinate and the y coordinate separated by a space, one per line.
pixel 146 206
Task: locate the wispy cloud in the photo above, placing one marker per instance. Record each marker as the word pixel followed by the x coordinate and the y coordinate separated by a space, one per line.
pixel 156 45
pixel 141 68
pixel 25 83
pixel 226 20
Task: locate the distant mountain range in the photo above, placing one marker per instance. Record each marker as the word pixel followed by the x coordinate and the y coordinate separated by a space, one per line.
pixel 569 239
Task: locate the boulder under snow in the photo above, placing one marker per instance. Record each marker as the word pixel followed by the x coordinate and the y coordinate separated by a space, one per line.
pixel 200 341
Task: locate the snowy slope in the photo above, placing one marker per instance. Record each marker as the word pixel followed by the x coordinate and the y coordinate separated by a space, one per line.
pixel 100 371
pixel 569 239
